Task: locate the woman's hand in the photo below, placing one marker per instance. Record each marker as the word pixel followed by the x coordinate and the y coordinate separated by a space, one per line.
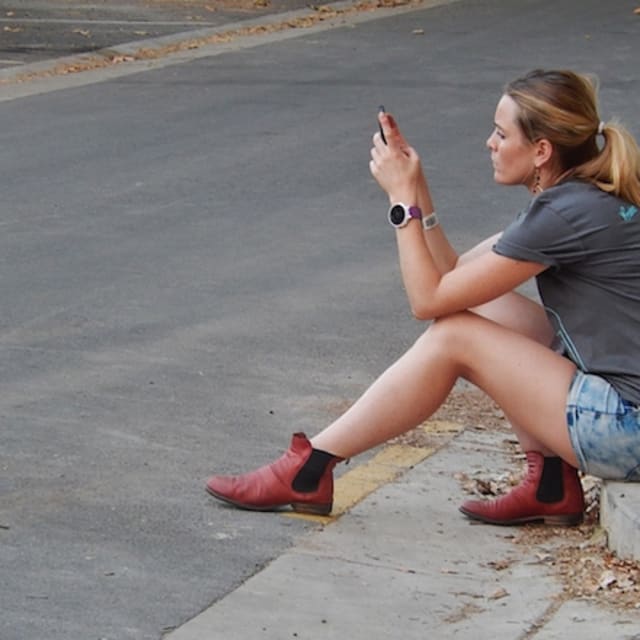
pixel 395 165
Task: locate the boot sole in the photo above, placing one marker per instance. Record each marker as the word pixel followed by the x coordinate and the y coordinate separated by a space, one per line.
pixel 563 520
pixel 312 509
pixel 298 507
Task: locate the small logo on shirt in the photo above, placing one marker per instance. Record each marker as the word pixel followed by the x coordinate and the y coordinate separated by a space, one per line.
pixel 626 213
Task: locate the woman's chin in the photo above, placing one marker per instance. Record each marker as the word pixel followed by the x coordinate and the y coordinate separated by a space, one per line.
pixel 501 179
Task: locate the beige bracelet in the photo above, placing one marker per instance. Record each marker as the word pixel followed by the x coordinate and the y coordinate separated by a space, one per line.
pixel 430 221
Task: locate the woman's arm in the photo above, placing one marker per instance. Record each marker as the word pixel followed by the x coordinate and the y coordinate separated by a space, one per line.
pixel 473 282
pixel 444 255
pixel 437 283
pixel 480 249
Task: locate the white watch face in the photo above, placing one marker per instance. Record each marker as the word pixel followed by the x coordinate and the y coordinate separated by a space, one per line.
pixel 400 214
pixel 397 215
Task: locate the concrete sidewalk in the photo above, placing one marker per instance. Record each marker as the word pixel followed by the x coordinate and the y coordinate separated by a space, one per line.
pixel 402 563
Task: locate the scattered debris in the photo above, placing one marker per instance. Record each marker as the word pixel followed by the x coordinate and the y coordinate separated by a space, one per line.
pixel 466 611
pixel 501 565
pixel 578 556
pixel 499 594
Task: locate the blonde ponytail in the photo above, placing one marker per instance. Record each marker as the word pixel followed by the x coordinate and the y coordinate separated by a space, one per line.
pixel 616 169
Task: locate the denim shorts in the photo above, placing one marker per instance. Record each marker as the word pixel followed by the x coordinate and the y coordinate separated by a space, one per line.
pixel 604 429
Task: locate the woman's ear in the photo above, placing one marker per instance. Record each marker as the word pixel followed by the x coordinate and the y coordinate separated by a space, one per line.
pixel 543 152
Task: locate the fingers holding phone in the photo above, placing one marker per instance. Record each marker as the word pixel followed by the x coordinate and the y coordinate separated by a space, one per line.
pixel 394 164
pixel 389 131
pixel 381 111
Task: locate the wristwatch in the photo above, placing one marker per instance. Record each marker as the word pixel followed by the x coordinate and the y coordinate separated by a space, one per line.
pixel 400 214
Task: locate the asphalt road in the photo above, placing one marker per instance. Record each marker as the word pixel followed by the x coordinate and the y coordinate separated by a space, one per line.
pixel 36 30
pixel 195 262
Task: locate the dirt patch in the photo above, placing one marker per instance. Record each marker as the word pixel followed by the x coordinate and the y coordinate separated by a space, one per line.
pixel 578 556
pixel 586 568
pixel 470 408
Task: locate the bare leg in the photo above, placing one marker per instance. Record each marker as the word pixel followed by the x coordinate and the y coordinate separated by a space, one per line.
pixel 517 312
pixel 527 317
pixel 526 379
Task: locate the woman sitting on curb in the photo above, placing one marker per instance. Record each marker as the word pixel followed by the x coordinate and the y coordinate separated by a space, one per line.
pixel 573 406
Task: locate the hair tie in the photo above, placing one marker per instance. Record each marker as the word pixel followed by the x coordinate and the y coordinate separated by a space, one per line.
pixel 601 127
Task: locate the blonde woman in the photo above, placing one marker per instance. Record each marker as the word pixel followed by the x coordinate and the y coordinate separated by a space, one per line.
pixel 566 372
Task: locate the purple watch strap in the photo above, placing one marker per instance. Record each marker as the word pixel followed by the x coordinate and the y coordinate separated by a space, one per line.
pixel 415 212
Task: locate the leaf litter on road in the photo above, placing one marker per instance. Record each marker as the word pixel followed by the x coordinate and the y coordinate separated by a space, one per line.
pixel 106 59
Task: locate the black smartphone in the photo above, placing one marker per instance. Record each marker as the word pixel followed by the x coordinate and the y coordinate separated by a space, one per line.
pixel 381 110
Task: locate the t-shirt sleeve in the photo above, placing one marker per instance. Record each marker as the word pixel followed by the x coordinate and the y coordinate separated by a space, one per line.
pixel 540 234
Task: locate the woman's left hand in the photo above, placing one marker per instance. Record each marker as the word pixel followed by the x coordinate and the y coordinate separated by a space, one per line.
pixel 395 165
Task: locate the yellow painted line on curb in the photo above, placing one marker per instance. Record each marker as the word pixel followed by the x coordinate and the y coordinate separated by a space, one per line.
pixel 387 465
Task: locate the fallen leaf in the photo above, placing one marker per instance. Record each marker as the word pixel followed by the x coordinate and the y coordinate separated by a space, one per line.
pixel 499 593
pixel 626 583
pixel 607 579
pixel 501 565
pixel 121 58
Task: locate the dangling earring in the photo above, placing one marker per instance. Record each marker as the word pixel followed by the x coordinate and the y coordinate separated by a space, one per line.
pixel 536 181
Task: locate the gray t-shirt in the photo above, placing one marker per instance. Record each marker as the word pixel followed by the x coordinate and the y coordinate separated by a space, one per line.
pixel 591 290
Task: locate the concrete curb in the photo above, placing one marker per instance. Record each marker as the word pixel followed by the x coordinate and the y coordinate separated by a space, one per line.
pixel 620 518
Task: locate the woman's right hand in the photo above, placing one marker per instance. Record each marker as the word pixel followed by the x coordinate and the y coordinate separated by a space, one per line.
pixel 395 165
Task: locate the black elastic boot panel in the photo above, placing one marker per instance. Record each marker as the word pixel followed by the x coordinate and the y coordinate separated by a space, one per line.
pixel 308 478
pixel 551 487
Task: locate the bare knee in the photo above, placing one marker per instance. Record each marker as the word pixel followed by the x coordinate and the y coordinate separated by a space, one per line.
pixel 454 336
pixel 447 332
pixel 450 327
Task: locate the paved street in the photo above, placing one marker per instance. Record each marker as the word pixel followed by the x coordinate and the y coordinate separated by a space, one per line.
pixel 195 263
pixel 33 30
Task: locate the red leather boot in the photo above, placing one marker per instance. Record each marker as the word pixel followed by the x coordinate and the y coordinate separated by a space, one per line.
pixel 550 492
pixel 271 487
